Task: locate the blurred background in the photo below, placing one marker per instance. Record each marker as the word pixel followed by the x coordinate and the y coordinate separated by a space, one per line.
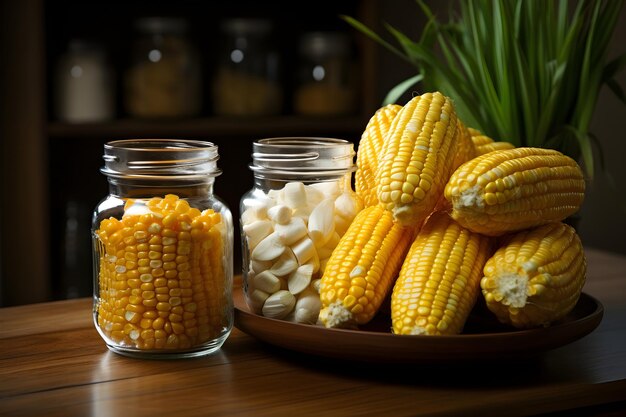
pixel 77 74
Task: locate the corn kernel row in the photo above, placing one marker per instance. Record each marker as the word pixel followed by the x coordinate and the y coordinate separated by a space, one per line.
pixel 161 275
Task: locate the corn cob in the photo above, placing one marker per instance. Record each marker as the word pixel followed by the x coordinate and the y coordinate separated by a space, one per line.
pixel 515 189
pixel 362 268
pixel 484 144
pixel 536 277
pixel 417 158
pixel 440 278
pixel 161 275
pixel 465 147
pixel 369 150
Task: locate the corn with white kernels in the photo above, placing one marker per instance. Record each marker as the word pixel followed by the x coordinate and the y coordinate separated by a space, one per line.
pixel 161 276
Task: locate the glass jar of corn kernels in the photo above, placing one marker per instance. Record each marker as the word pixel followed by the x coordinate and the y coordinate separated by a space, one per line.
pixel 301 204
pixel 163 250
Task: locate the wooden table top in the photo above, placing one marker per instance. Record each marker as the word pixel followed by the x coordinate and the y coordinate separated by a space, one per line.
pixel 54 363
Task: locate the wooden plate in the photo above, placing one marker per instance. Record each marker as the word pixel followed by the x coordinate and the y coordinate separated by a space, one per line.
pixel 482 338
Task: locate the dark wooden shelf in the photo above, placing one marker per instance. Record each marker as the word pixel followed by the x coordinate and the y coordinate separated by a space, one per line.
pixel 212 127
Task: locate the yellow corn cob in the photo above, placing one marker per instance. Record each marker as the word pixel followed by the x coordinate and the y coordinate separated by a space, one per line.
pixel 440 278
pixel 484 144
pixel 362 268
pixel 465 147
pixel 161 276
pixel 515 189
pixel 368 153
pixel 536 277
pixel 417 157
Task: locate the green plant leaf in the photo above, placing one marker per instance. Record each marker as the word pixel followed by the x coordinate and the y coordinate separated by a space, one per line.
pixel 369 32
pixel 396 92
pixel 586 151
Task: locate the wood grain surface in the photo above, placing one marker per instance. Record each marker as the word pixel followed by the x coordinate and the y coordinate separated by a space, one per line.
pixel 54 363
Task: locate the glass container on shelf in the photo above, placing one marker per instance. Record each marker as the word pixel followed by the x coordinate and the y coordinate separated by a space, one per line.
pixel 164 76
pixel 326 82
pixel 247 77
pixel 84 84
pixel 163 250
pixel 301 204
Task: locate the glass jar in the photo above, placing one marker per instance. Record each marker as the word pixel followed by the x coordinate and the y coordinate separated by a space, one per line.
pixel 162 250
pixel 301 204
pixel 246 81
pixel 84 84
pixel 163 79
pixel 326 82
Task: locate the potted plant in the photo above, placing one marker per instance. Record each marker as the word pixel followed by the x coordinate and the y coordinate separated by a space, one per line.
pixel 524 71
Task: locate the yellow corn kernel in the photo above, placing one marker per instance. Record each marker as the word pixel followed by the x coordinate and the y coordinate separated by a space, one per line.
pixel 146 275
pixel 535 278
pixel 515 189
pixel 421 150
pixel 368 153
pixel 440 278
pixel 362 268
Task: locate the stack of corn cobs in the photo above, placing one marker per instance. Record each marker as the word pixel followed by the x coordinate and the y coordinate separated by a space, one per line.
pixel 450 215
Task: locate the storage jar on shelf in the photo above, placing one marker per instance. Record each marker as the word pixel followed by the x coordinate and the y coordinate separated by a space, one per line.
pixel 164 77
pixel 163 250
pixel 247 78
pixel 326 84
pixel 301 204
pixel 84 85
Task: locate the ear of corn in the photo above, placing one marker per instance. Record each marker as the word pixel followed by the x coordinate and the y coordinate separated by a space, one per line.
pixel 440 278
pixel 362 268
pixel 161 276
pixel 417 157
pixel 465 149
pixel 369 150
pixel 536 278
pixel 515 189
pixel 484 144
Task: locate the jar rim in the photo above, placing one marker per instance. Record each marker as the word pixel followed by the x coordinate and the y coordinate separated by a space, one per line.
pixel 160 159
pixel 302 157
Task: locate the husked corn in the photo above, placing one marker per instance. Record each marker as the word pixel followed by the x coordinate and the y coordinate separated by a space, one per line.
pixel 515 189
pixel 369 151
pixel 439 282
pixel 536 277
pixel 418 157
pixel 161 275
pixel 362 268
pixel 484 144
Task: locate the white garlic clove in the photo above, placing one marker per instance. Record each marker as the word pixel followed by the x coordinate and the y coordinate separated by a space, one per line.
pixel 269 248
pixel 256 299
pixel 330 189
pixel 294 195
pixel 307 308
pixel 286 264
pixel 322 222
pixel 302 213
pixel 266 281
pixel 280 214
pixel 279 305
pixel 259 266
pixel 304 249
pixel 257 231
pixel 300 279
pixel 313 195
pixel 291 232
pixel 347 206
